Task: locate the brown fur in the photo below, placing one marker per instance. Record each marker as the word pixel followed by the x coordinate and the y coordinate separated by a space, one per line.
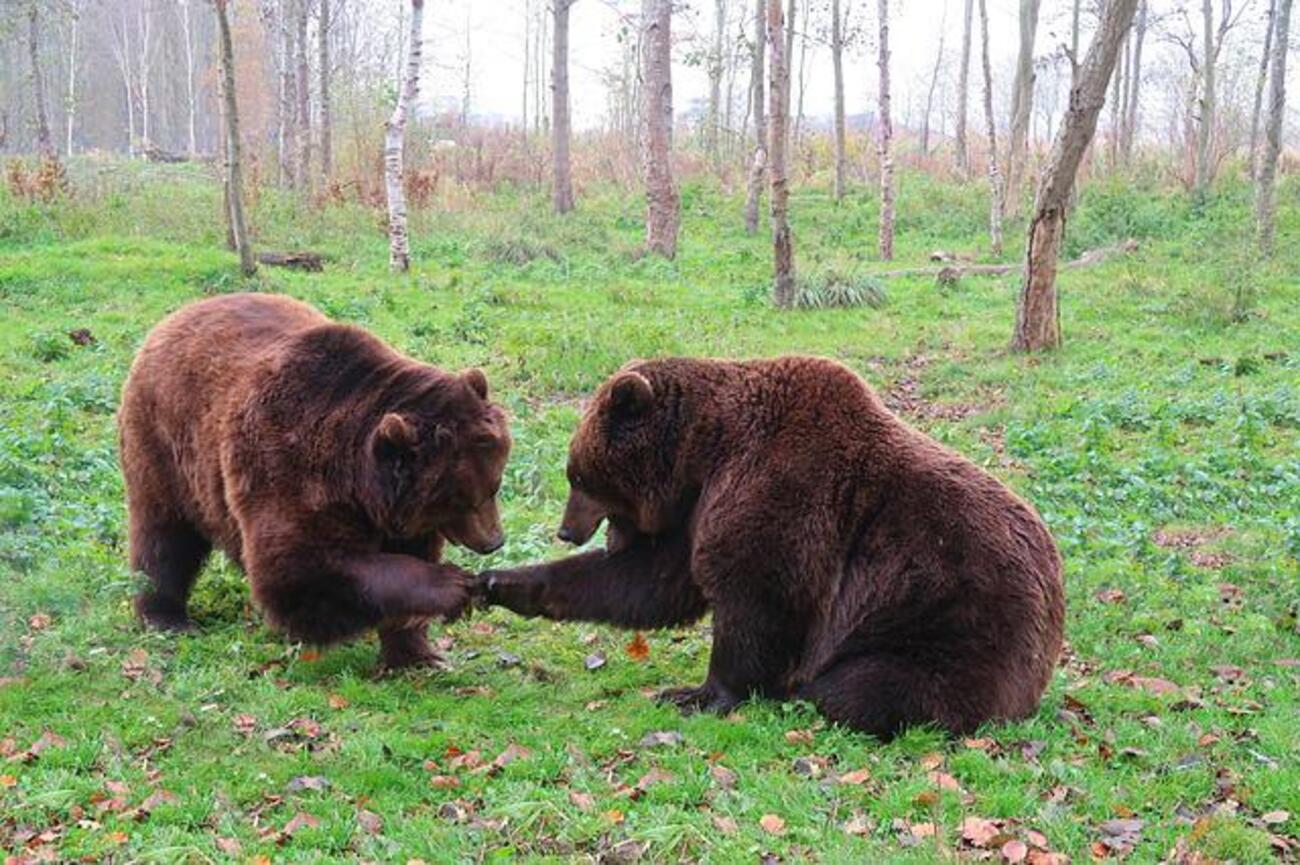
pixel 328 466
pixel 848 559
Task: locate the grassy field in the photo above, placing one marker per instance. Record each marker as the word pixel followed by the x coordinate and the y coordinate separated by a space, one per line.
pixel 1160 445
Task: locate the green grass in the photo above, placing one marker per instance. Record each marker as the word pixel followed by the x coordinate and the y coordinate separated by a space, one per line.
pixel 1161 415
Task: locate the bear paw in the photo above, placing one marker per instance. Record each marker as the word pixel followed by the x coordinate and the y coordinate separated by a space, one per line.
pixel 708 697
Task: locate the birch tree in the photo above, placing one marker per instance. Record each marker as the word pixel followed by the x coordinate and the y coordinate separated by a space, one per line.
pixel 715 70
pixel 662 205
pixel 399 255
pixel 70 96
pixel 934 83
pixel 837 61
pixel 326 108
pixel 1022 104
pixel 303 92
pixel 885 138
pixel 963 91
pixel 1205 127
pixel 234 166
pixel 41 116
pixel 991 133
pixel 562 178
pixel 1037 313
pixel 759 163
pixel 779 109
pixel 287 125
pixel 191 100
pixel 1265 192
pixel 1265 58
pixel 1131 92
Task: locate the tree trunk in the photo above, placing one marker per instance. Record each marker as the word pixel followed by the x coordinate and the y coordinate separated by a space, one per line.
pixel 963 89
pixel 528 45
pixel 145 76
pixel 1265 201
pixel 1022 105
pixel 886 139
pixel 234 167
pixel 1264 58
pixel 711 138
pixel 324 73
pixel 1116 103
pixel 1037 315
pixel 304 99
pixel 399 255
pixel 803 80
pixel 757 71
pixel 44 141
pixel 71 103
pixel 288 126
pixel 779 109
pixel 837 59
pixel 187 28
pixel 562 180
pixel 1205 126
pixel 934 83
pixel 1135 83
pixel 990 127
pixel 662 216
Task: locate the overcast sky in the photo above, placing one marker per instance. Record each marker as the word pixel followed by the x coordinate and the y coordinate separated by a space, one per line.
pixel 497 36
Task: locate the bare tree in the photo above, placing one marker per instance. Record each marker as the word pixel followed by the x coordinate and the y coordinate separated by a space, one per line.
pixel 234 164
pixel 399 253
pixel 1022 104
pixel 1129 128
pixel 990 127
pixel 1265 57
pixel 885 133
pixel 934 83
pixel 303 89
pixel 715 70
pixel 662 214
pixel 779 109
pixel 562 178
pixel 758 167
pixel 191 101
pixel 1205 128
pixel 41 117
pixel 70 97
pixel 1265 200
pixel 1037 313
pixel 326 109
pixel 963 90
pixel 837 60
pixel 287 125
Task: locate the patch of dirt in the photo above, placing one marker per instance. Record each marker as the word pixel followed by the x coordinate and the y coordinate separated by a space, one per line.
pixel 1188 539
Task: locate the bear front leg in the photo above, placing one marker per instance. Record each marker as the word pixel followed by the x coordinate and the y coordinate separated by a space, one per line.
pixel 405 644
pixel 403 588
pixel 645 585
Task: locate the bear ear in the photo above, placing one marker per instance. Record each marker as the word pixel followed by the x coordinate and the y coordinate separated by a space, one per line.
pixel 394 435
pixel 477 381
pixel 630 394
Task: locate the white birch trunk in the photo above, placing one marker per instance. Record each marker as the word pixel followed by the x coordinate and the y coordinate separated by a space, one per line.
pixel 399 255
pixel 1265 193
pixel 990 129
pixel 886 139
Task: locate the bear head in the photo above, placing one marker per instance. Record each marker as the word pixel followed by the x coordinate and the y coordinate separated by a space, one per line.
pixel 436 458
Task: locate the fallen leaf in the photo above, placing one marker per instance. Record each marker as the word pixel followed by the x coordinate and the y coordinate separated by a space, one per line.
pixel 1111 596
pixel 594 661
pixel 1037 839
pixel 979 832
pixel 857 776
pixel 8 781
pixel 725 825
pixel 661 737
pixel 859 824
pixel 1014 851
pixel 118 837
pixel 725 778
pixel 638 649
pixel 980 744
pixel 584 802
pixel 444 782
pixel 308 782
pixel 923 830
pixel 654 776
pixel 470 760
pixel 338 701
pixel 301 820
pixel 1155 686
pixel 39 622
pixel 1275 818
pixel 309 656
pixel 229 846
pixel 614 816
pixel 245 724
pixel 926 799
pixel 808 767
pixel 933 760
pixel 1046 857
pixel 944 781
pixel 799 737
pixel 772 824
pixel 370 822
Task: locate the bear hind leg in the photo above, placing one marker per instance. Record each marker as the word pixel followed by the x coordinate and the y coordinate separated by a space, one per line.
pixel 170 553
pixel 880 695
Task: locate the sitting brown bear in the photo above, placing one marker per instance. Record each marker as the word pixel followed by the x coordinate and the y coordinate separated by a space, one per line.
pixel 848 559
pixel 325 464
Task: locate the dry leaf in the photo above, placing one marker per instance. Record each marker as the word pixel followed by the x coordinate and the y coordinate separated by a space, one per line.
pixel 933 760
pixel 245 724
pixel 857 776
pixel 944 781
pixel 444 782
pixel 799 737
pixel 8 781
pixel 979 832
pixel 338 701
pixel 301 820
pixel 638 649
pixel 654 776
pixel 661 737
pixel 309 656
pixel 725 825
pixel 584 802
pixel 229 846
pixel 923 830
pixel 1275 818
pixel 370 822
pixel 39 622
pixel 1014 851
pixel 859 824
pixel 772 824
pixel 726 778
pixel 614 816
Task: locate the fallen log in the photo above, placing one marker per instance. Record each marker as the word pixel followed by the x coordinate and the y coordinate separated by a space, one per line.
pixel 308 261
pixel 950 273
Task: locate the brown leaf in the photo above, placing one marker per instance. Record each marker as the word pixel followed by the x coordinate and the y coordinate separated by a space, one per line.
pixel 1014 851
pixel 469 760
pixel 931 761
pixel 45 742
pixel 512 753
pixel 245 724
pixel 338 701
pixel 1045 857
pixel 725 778
pixel 944 781
pixel 654 776
pixel 7 781
pixel 1036 839
pixel 1275 818
pixel 39 622
pixel 979 832
pixel 981 744
pixel 614 816
pixel 772 824
pixel 1155 686
pixel 229 846
pixel 725 825
pixel 859 824
pixel 1111 596
pixel 444 782
pixel 584 802
pixel 301 820
pixel 370 822
pixel 799 737
pixel 857 776
pixel 923 830
pixel 926 799
pixel 309 656
pixel 638 649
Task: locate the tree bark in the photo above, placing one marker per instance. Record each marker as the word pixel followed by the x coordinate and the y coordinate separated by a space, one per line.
pixel 44 141
pixel 662 214
pixel 1205 125
pixel 187 31
pixel 146 67
pixel 1038 324
pixel 326 109
pixel 71 98
pixel 399 254
pixel 757 168
pixel 886 138
pixel 234 166
pixel 1265 58
pixel 934 83
pixel 802 78
pixel 711 126
pixel 990 127
pixel 837 60
pixel 1022 105
pixel 779 109
pixel 304 99
pixel 562 179
pixel 963 90
pixel 1265 200
pixel 287 133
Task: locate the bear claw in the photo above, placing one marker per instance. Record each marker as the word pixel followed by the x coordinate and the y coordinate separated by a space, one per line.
pixel 705 698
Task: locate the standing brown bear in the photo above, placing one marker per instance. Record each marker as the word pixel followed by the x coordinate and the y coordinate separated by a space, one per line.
pixel 848 559
pixel 325 464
